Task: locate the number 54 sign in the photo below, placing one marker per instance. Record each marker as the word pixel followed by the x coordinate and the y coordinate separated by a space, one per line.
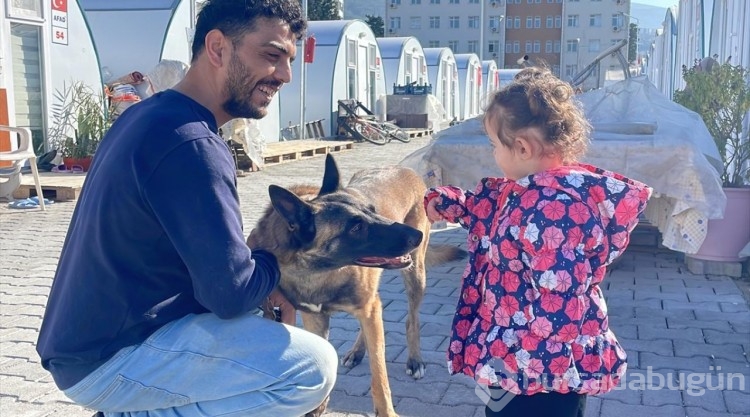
pixel 60 21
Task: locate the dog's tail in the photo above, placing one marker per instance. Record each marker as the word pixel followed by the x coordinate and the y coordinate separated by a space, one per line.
pixel 440 254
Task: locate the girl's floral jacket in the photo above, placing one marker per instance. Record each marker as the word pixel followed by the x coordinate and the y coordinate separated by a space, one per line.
pixel 531 316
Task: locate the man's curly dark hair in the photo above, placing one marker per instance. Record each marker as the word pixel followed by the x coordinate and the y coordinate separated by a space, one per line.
pixel 235 18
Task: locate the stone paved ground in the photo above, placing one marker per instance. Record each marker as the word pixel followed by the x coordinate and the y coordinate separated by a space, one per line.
pixel 678 328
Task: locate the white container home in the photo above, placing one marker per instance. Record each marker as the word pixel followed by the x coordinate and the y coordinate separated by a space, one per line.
pixel 490 78
pixel 44 45
pixel 135 35
pixel 662 70
pixel 403 61
pixel 469 84
pixel 443 75
pixel 346 65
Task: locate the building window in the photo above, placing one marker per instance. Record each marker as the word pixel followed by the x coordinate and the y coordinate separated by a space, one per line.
pixel 529 47
pixel 617 20
pixel 351 52
pixel 473 46
pixel 396 2
pixel 529 22
pixel 509 22
pixel 493 46
pixel 571 70
pixel 454 1
pixel 395 23
pixel 556 70
pixel 557 47
pixel 517 22
pixel 415 22
pixel 434 22
pixel 25 9
pixel 453 45
pixel 594 45
pixel 474 22
pixel 537 47
pixel 416 1
pixel 550 22
pixel 508 46
pixel 537 22
pixel 473 1
pixel 433 44
pixel 558 22
pixel 573 21
pixel 548 47
pixel 434 1
pixel 494 22
pixel 453 22
pixel 595 20
pixel 572 46
pixel 516 47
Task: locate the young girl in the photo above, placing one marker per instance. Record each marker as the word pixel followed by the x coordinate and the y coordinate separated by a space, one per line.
pixel 531 319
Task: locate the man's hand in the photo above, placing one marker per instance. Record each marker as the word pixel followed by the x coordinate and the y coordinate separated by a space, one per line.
pixel 277 304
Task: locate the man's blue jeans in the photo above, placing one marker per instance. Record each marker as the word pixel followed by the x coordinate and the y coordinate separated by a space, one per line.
pixel 201 365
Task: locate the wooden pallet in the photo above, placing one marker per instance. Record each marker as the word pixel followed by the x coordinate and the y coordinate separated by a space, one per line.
pixel 295 150
pixel 417 133
pixel 55 185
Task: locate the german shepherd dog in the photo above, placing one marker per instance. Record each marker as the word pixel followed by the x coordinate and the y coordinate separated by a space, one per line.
pixel 332 243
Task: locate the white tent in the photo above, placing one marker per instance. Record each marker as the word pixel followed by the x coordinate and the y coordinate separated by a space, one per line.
pixel 41 51
pixel 347 65
pixel 490 78
pixel 470 84
pixel 403 61
pixel 443 75
pixel 135 35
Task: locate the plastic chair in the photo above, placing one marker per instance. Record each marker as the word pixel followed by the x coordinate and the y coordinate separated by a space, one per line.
pixel 24 151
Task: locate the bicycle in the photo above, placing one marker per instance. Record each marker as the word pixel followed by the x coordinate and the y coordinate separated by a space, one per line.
pixel 376 132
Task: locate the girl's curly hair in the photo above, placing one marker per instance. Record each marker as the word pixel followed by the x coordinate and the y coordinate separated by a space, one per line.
pixel 537 98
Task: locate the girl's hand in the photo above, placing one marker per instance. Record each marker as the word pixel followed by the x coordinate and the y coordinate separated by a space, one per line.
pixel 432 213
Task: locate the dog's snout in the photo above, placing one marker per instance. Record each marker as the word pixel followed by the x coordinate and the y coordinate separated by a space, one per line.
pixel 415 238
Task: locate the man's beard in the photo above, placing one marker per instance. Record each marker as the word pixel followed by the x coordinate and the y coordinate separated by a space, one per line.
pixel 239 101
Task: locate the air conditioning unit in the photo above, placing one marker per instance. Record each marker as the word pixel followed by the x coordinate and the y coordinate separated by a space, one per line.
pixel 494 54
pixel 391 30
pixel 394 5
pixel 615 29
pixel 619 2
pixel 493 29
pixel 493 3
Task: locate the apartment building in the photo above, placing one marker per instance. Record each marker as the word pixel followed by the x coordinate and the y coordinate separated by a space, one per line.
pixel 591 27
pixel 566 35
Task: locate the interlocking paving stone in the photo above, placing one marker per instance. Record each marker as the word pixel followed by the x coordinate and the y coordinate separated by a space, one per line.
pixel 666 319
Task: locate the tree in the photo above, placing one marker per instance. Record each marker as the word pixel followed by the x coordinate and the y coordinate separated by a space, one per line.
pixel 377 25
pixel 720 94
pixel 633 43
pixel 324 10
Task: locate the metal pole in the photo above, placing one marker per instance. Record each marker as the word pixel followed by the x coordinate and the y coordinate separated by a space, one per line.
pixel 481 29
pixel 302 76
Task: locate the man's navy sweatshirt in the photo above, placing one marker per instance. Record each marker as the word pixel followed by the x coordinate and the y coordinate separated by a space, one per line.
pixel 156 235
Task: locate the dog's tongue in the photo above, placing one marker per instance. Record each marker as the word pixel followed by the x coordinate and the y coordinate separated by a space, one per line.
pixel 378 262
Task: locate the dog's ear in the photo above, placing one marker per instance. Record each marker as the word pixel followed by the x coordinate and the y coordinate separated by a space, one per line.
pixel 297 213
pixel 331 177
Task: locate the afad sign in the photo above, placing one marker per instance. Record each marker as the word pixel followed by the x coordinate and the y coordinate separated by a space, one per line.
pixel 60 22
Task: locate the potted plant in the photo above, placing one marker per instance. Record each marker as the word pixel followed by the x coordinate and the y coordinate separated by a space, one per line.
pixel 720 94
pixel 79 121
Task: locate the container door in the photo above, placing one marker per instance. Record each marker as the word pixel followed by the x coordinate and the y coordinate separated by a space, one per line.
pixel 28 88
pixel 363 92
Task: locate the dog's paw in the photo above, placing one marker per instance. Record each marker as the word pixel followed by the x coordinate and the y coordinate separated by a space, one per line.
pixel 318 411
pixel 353 358
pixel 415 368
